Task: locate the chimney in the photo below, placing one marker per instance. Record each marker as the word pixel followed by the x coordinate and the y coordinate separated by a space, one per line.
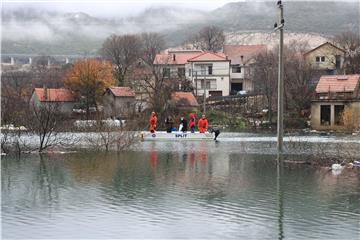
pixel 174 57
pixel 45 92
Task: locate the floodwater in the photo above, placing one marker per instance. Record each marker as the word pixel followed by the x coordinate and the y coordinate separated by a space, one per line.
pixel 207 190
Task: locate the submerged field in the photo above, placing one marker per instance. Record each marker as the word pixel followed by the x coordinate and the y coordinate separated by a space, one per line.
pixel 234 188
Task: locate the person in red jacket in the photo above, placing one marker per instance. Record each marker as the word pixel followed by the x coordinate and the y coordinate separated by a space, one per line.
pixel 203 124
pixel 153 121
pixel 192 122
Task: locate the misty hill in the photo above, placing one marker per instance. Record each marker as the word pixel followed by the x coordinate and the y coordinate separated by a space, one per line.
pixel 44 32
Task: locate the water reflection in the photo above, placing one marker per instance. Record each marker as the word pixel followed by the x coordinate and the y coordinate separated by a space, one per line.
pixel 190 191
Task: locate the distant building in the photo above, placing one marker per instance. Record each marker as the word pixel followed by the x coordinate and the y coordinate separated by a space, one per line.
pixel 184 101
pixel 242 59
pixel 334 94
pixel 326 57
pixel 61 97
pixel 118 102
pixel 208 72
pixel 173 62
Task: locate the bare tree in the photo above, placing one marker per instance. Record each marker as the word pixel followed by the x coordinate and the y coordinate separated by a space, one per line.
pixel 122 51
pixel 350 42
pixel 111 134
pixel 210 38
pixel 152 44
pixel 298 74
pixel 44 121
pixel 15 93
pixel 265 78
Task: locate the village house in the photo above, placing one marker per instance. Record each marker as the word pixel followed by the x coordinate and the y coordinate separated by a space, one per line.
pixel 184 101
pixel 173 62
pixel 210 74
pixel 327 58
pixel 118 102
pixel 335 94
pixel 60 98
pixel 242 59
pixel 207 72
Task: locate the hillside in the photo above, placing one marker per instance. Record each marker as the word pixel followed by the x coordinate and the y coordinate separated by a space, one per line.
pixel 44 32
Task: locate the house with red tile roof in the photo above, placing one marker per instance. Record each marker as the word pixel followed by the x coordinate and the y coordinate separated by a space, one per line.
pixel 207 71
pixel 334 94
pixel 184 101
pixel 59 97
pixel 242 58
pixel 118 102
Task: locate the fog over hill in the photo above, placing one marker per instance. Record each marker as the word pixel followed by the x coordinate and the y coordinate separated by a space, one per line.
pixel 29 30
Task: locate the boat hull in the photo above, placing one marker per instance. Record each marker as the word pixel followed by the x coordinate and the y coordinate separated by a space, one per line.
pixel 176 136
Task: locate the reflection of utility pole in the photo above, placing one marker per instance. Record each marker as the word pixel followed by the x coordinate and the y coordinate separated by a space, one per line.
pixel 280 109
pixel 280 196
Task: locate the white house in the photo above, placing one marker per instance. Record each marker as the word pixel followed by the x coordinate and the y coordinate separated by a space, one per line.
pixel 242 59
pixel 173 62
pixel 209 73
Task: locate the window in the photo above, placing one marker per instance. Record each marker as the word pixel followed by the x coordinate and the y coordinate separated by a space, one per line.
pixel 189 72
pixel 208 85
pixel 236 69
pixel 325 115
pixel 339 110
pixel 166 72
pixel 210 70
pixel 203 70
pixel 181 72
pixel 319 59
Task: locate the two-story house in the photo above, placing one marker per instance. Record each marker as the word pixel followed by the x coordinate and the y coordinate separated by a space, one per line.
pixel 327 58
pixel 334 94
pixel 208 72
pixel 173 62
pixel 242 58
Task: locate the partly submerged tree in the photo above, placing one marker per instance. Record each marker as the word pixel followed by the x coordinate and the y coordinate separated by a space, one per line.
pixel 122 51
pixel 88 79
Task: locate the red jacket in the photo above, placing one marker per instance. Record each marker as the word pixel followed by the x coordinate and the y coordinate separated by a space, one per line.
pixel 153 120
pixel 203 125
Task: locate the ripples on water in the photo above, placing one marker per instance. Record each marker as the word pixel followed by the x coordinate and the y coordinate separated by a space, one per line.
pixel 183 190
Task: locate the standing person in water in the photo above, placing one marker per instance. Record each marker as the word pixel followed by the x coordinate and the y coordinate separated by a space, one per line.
pixel 153 121
pixel 192 122
pixel 203 124
pixel 183 125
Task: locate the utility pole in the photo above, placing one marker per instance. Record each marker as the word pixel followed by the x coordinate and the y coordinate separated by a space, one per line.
pixel 204 100
pixel 280 107
pixel 196 84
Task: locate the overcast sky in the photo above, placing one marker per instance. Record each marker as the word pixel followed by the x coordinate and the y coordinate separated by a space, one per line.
pixel 113 8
